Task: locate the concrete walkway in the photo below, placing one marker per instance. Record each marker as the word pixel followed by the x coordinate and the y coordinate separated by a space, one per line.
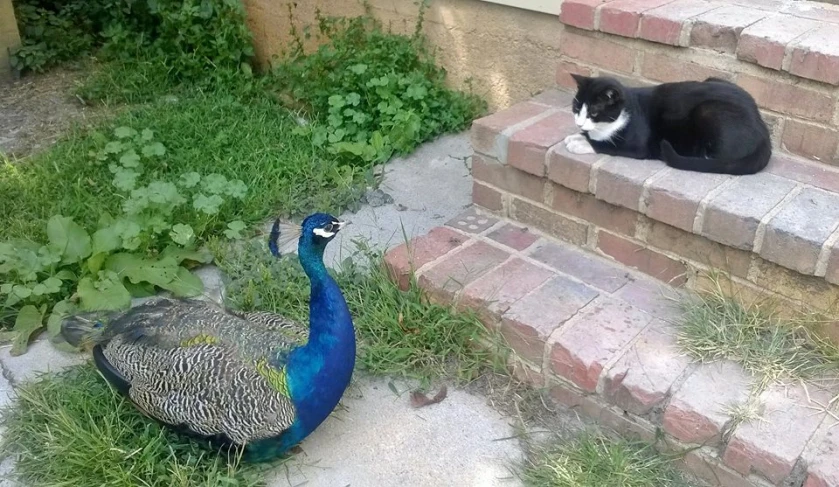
pixel 377 438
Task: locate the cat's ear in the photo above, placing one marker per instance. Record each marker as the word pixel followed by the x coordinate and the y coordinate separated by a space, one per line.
pixel 580 79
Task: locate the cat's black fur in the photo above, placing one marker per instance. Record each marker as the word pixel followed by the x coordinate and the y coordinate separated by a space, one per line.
pixel 711 126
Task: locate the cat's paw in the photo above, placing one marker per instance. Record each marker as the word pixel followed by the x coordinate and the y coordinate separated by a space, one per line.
pixel 579 146
pixel 578 136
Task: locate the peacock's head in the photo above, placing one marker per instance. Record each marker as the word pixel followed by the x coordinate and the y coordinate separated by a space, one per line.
pixel 317 230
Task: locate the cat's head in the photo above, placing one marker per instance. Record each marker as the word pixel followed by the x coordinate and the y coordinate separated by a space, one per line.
pixel 599 102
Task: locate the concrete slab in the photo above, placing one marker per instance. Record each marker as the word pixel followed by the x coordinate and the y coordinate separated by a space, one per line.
pixel 378 440
pixel 40 357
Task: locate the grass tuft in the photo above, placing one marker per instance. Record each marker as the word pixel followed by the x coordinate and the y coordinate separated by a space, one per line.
pixel 715 326
pixel 72 429
pixel 399 332
pixel 602 461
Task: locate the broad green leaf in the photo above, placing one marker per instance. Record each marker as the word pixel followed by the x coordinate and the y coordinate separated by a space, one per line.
pixel 21 291
pixel 61 310
pixel 69 238
pixel 358 68
pixel 103 294
pixel 185 285
pixel 124 132
pixel 202 255
pixel 95 262
pixel 106 240
pixel 138 269
pixel 65 275
pixel 52 285
pixel 147 135
pixel 114 147
pixel 189 180
pixel 154 149
pixel 130 158
pixel 125 179
pixel 140 290
pixel 182 234
pixel 28 321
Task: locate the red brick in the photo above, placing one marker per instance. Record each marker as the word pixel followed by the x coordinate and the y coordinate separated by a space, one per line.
pixel 548 221
pixel 568 396
pixel 579 13
pixel 486 132
pixel 794 238
pixel 765 42
pixel 471 221
pixel 622 17
pixel 486 197
pixel 733 216
pixel 527 148
pixel 592 270
pixel 602 52
pixel 699 249
pixel 530 321
pixel 811 141
pixel 697 412
pixel 674 198
pixel 821 458
pixel 641 379
pixel 564 71
pixel 645 260
pixel 788 99
pixel 720 29
pixel 593 338
pixel 496 291
pixel 571 170
pixel 664 24
pixel 620 180
pixel 651 296
pixel 520 183
pixel 704 464
pixel 514 236
pixel 627 425
pixel 669 70
pixel 458 269
pixel 805 171
pixel 404 259
pixel 590 209
pixel 816 55
pixel 771 445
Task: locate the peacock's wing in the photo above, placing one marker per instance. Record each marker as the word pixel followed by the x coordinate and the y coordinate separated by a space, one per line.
pixel 278 323
pixel 197 367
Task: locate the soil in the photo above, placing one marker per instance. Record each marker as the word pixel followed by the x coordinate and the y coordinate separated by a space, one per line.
pixel 37 110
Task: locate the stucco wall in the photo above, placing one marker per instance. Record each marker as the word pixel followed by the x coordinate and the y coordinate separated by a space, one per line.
pixel 9 37
pixel 508 53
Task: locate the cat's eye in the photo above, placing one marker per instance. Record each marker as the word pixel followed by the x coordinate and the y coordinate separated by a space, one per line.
pixel 594 114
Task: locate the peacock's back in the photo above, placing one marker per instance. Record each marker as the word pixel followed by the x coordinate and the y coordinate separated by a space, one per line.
pixel 203 369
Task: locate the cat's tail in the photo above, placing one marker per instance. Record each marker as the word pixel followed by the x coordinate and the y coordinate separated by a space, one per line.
pixel 750 164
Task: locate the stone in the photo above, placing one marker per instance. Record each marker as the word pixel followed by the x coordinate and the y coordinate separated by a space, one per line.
pixel 39 358
pixel 620 180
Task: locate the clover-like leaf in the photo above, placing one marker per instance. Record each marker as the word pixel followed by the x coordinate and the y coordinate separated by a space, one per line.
pixel 234 230
pixel 147 135
pixel 353 99
pixel 130 158
pixel 207 204
pixel 69 238
pixel 237 189
pixel 154 149
pixel 114 147
pixel 164 193
pixel 182 234
pixel 124 132
pixel 125 179
pixel 358 68
pixel 189 180
pixel 215 183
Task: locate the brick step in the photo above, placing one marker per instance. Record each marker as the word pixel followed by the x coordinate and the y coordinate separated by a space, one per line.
pixel 601 338
pixel 775 233
pixel 785 53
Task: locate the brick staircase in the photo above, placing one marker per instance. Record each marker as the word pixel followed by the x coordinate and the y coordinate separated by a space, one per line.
pixel 570 258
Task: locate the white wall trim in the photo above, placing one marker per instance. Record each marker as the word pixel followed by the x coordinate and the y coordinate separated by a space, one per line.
pixel 546 6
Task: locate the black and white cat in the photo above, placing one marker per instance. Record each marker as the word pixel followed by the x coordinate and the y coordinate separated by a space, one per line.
pixel 709 126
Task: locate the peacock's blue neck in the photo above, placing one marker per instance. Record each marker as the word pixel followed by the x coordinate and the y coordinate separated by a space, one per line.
pixel 319 372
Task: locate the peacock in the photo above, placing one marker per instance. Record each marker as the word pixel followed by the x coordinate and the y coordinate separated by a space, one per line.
pixel 254 381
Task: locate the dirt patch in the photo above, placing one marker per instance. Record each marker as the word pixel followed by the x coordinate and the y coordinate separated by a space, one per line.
pixel 37 110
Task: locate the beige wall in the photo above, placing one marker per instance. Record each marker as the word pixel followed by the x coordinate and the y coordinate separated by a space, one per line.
pixel 508 53
pixel 9 37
